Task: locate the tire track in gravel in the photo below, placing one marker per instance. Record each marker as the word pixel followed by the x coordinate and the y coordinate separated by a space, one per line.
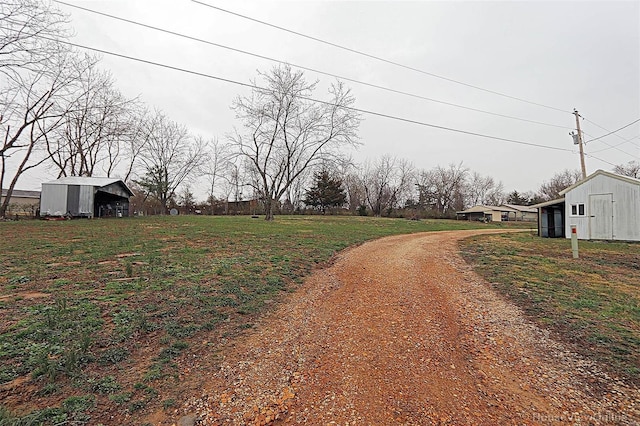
pixel 401 331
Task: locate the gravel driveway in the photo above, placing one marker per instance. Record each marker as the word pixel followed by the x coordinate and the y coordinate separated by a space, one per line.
pixel 401 331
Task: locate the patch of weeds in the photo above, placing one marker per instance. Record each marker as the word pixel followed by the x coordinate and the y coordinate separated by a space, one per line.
pixel 52 339
pixel 60 282
pixel 151 392
pixel 54 416
pixel 106 385
pixel 154 373
pixel 113 356
pixel 136 405
pixel 8 373
pixel 22 279
pixel 120 287
pixel 75 404
pixel 128 269
pixel 250 308
pixel 130 322
pixel 121 398
pixel 172 351
pixel 214 319
pixel 222 301
pixel 175 329
pixel 48 389
pixel 168 403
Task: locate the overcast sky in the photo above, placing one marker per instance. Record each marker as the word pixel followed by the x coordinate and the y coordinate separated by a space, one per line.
pixel 564 55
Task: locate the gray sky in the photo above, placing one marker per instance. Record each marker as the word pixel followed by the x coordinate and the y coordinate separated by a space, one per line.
pixel 565 55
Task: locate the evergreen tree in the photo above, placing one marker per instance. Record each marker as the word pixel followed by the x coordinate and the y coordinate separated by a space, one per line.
pixel 518 199
pixel 326 192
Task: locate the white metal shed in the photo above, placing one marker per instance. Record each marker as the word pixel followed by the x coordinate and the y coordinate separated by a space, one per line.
pixel 78 196
pixel 604 206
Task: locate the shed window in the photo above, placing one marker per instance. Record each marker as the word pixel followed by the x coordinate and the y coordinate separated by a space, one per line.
pixel 577 209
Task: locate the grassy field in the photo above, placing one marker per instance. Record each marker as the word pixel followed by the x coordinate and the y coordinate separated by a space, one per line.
pixel 99 319
pixel 592 303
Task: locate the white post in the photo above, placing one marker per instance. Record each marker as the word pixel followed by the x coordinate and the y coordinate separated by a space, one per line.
pixel 574 241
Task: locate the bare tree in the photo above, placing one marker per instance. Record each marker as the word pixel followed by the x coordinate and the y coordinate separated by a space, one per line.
pixel 496 195
pixel 35 75
pixel 356 195
pixel 27 31
pixel 631 169
pixel 232 185
pixel 95 128
pixel 386 183
pixel 442 189
pixel 293 196
pixel 483 190
pixel 32 109
pixel 550 190
pixel 217 167
pixel 142 126
pixel 170 158
pixel 287 133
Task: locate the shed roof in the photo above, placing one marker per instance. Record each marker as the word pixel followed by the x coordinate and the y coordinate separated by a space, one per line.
pixel 486 209
pixel 97 182
pixel 627 179
pixel 526 209
pixel 548 203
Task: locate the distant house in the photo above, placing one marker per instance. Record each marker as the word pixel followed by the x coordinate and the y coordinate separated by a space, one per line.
pixel 503 213
pixel 603 206
pixel 77 196
pixel 480 213
pixel 522 213
pixel 22 202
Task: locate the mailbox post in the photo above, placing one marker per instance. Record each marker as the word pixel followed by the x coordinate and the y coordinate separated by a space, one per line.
pixel 574 241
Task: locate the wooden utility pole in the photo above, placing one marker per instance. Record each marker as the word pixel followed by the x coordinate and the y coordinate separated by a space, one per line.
pixel 582 165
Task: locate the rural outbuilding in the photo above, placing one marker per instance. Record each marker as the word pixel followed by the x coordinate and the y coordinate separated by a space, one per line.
pixel 503 213
pixel 481 213
pixel 77 196
pixel 22 203
pixel 521 213
pixel 603 206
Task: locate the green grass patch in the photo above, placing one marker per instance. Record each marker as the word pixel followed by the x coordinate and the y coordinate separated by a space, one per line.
pixel 593 302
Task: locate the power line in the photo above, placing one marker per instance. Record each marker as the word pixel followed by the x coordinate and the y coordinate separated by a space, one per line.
pixel 413 95
pixel 609 146
pixel 616 146
pixel 600 159
pixel 360 110
pixel 378 58
pixel 610 133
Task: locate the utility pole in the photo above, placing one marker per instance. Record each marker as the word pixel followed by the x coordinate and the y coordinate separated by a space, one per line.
pixel 579 143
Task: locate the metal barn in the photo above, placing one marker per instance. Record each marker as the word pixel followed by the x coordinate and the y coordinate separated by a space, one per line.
pixel 77 196
pixel 604 206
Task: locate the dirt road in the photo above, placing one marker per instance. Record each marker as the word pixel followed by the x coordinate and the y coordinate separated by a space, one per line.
pixel 401 331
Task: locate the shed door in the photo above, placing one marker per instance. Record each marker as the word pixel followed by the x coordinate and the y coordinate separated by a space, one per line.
pixel 73 199
pixel 601 216
pixel 558 223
